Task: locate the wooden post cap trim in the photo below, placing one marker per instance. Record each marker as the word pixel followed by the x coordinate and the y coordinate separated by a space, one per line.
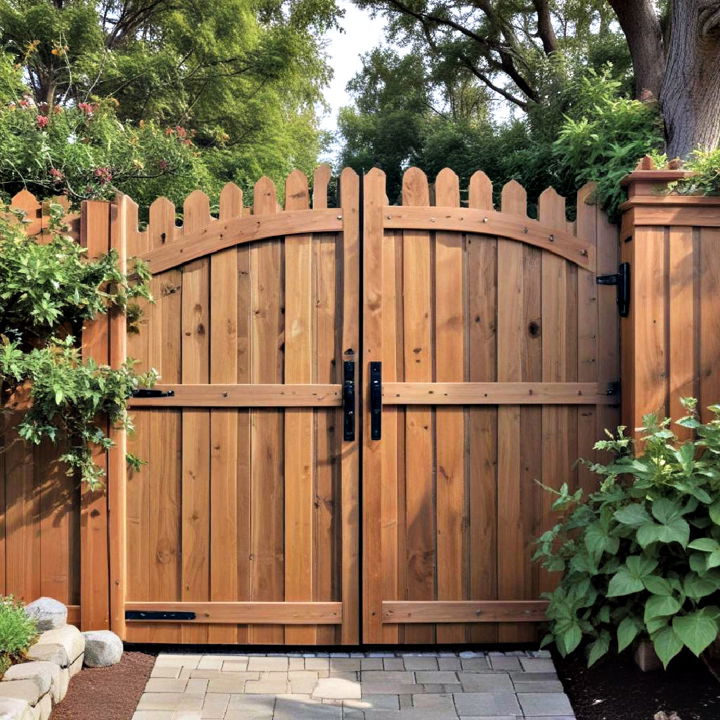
pixel 492 223
pixel 243 395
pixel 221 234
pixel 495 393
pixel 463 611
pixel 250 613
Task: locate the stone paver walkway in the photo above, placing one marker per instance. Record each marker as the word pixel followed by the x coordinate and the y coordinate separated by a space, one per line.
pixel 355 686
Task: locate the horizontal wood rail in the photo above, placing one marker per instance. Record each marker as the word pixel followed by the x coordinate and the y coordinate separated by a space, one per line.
pixel 462 611
pixel 244 395
pixel 220 234
pixel 491 222
pixel 498 393
pixel 250 613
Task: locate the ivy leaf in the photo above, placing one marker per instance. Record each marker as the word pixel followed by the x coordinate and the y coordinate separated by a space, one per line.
pixel 657 585
pixel 627 631
pixel 697 587
pixel 696 630
pixel 660 606
pixel 633 515
pixel 705 544
pixel 714 510
pixel 629 578
pixel 667 645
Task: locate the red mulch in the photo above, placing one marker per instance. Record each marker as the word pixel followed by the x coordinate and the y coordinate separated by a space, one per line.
pixel 110 693
pixel 616 689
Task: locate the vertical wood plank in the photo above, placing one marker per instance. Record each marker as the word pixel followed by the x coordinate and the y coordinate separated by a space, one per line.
pixel 481 437
pixel 196 423
pixel 709 302
pixel 349 289
pixel 419 460
pixel 94 540
pixel 224 425
pixel 117 468
pixel 449 421
pixel 267 496
pixel 372 351
pixel 513 582
pixel 165 435
pixel 299 439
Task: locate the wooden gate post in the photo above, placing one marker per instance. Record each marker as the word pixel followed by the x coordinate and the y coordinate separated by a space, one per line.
pixel 94 549
pixel 670 341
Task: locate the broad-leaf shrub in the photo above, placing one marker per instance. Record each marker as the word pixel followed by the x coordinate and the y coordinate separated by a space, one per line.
pixel 640 556
pixel 17 632
pixel 48 290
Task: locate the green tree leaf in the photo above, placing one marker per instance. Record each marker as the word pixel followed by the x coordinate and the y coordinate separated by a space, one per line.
pixel 696 630
pixel 627 631
pixel 599 648
pixel 667 645
pixel 660 605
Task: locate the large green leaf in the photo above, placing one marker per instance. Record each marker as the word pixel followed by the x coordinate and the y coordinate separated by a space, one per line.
pixel 657 585
pixel 667 645
pixel 697 630
pixel 715 512
pixel 705 544
pixel 633 515
pixel 627 631
pixel 697 587
pixel 624 583
pixel 599 648
pixel 660 606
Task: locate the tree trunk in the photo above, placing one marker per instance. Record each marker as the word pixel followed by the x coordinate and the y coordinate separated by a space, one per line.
pixel 690 96
pixel 643 33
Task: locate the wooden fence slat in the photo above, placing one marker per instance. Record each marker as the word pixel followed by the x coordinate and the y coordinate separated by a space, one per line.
pixel 449 421
pixel 224 424
pixel 417 357
pixel 196 423
pixel 299 440
pixel 266 276
pixel 481 435
pixel 708 368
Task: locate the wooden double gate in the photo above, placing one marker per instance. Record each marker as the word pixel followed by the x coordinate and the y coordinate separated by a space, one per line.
pixel 355 405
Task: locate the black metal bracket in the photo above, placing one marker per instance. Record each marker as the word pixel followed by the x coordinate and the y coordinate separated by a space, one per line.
pixel 622 280
pixel 375 400
pixel 613 388
pixel 159 615
pixel 151 393
pixel 348 400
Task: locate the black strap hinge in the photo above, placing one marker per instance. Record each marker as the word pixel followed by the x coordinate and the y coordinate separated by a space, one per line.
pixel 152 393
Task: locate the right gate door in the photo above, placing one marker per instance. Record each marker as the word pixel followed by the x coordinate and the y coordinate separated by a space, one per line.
pixel 490 364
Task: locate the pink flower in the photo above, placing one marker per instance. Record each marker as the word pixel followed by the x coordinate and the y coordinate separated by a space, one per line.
pixel 103 174
pixel 87 108
pixel 163 165
pixel 42 121
pixel 56 174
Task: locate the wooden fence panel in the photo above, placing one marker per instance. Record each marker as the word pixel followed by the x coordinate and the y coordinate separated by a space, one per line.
pixel 261 531
pixel 486 341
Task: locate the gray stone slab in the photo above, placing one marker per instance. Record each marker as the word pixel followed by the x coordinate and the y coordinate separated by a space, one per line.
pixel 388 676
pixel 420 663
pixel 545 704
pixel 532 686
pixel 486 704
pixel 537 664
pixel 300 709
pixel 485 682
pixel 439 677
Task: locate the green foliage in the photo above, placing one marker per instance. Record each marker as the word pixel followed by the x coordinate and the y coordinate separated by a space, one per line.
pixel 17 632
pixel 640 557
pixel 47 291
pixel 705 164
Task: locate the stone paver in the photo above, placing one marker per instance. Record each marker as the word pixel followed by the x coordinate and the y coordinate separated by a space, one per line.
pixel 384 685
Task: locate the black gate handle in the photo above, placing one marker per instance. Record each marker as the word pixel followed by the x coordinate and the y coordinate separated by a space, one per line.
pixel 375 400
pixel 348 400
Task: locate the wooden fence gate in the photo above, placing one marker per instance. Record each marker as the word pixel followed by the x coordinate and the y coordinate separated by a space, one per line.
pixel 401 374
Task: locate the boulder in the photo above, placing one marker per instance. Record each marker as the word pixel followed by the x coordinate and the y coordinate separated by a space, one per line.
pixel 102 648
pixel 62 646
pixel 47 613
pixel 15 709
pixel 25 690
pixel 43 674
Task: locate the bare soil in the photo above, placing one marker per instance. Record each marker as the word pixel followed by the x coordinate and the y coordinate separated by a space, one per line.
pixel 616 689
pixel 110 693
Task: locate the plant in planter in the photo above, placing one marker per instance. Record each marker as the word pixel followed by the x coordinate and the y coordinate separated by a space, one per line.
pixel 17 632
pixel 640 557
pixel 48 289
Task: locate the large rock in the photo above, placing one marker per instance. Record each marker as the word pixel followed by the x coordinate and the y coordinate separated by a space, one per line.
pixel 15 709
pixel 102 648
pixel 47 613
pixel 43 674
pixel 25 690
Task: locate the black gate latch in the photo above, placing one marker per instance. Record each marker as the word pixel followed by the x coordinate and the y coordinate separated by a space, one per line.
pixel 152 393
pixel 622 280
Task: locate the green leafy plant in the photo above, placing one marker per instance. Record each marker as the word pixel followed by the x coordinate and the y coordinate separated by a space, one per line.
pixel 48 290
pixel 640 557
pixel 17 632
pixel 705 180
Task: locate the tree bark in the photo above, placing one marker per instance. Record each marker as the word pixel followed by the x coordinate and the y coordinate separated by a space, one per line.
pixel 690 96
pixel 641 27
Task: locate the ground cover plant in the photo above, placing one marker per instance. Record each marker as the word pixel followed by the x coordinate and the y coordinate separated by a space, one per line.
pixel 48 290
pixel 17 632
pixel 640 556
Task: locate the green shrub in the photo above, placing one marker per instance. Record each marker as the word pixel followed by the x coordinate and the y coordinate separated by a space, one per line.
pixel 17 632
pixel 47 291
pixel 705 165
pixel 640 557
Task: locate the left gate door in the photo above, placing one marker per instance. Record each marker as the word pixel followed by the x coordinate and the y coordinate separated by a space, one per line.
pixel 242 526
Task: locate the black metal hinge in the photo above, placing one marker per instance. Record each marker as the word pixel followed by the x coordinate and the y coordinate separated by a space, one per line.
pixel 150 393
pixel 159 615
pixel 622 280
pixel 348 400
pixel 375 400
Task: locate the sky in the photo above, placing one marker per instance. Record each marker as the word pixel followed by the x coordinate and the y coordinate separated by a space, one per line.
pixel 361 34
